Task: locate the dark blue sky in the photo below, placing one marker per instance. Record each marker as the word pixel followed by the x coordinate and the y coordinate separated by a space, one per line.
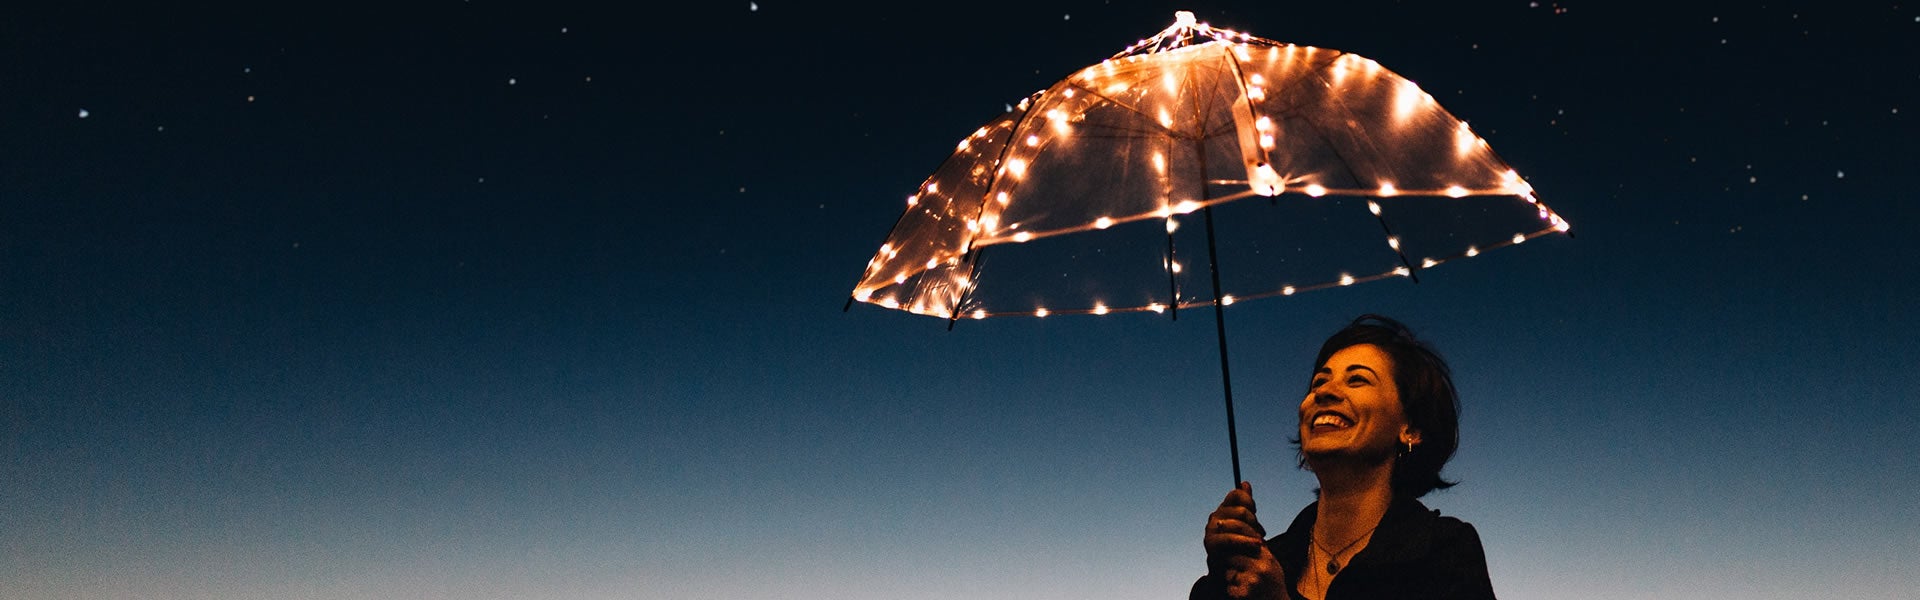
pixel 500 300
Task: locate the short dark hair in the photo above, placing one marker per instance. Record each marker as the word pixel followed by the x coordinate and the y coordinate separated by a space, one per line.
pixel 1426 394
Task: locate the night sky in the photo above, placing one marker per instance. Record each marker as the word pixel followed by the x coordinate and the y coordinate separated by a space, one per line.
pixel 529 300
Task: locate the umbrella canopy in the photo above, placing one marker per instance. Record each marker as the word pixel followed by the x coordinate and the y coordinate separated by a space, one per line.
pixel 1368 178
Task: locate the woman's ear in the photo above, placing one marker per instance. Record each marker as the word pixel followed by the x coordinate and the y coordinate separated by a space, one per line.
pixel 1409 435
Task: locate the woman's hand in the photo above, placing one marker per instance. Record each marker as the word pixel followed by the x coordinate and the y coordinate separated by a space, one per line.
pixel 1237 549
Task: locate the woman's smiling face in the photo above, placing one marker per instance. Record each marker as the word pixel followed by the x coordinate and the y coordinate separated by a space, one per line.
pixel 1353 407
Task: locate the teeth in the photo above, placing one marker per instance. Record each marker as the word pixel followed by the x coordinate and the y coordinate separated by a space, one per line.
pixel 1330 419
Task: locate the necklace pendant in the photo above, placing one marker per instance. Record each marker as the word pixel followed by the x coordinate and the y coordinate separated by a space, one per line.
pixel 1332 567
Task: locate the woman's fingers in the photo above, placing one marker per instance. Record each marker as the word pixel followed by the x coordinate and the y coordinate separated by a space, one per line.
pixel 1235 526
pixel 1237 507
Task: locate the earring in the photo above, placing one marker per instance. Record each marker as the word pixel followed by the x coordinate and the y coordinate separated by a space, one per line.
pixel 1409 448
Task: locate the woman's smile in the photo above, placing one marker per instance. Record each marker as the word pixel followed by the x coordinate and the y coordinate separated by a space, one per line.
pixel 1328 420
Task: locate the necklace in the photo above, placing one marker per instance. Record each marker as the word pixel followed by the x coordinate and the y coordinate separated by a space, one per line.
pixel 1333 562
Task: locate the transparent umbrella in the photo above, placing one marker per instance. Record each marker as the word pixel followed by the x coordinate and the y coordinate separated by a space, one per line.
pixel 1074 201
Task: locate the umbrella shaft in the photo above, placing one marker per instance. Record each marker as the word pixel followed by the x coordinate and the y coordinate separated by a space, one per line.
pixel 1220 329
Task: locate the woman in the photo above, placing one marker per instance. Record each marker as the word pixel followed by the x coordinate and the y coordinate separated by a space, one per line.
pixel 1379 421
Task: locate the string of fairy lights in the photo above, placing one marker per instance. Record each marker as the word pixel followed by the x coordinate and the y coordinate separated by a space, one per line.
pixel 948 225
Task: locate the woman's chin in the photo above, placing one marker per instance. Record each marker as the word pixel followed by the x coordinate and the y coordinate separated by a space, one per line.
pixel 1331 454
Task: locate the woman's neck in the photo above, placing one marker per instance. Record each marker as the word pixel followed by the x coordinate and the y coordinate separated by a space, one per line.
pixel 1352 500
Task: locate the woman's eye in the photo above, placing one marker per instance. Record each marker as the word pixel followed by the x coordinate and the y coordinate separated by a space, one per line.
pixel 1317 383
pixel 1356 380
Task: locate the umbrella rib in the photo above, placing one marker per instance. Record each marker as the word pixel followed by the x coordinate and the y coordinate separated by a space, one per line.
pixel 1123 106
pixel 1124 133
pixel 1331 147
pixel 1006 147
pixel 975 257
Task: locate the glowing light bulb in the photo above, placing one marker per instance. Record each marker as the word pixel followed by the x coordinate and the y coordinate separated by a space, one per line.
pixel 1316 190
pixel 1166 120
pixel 889 302
pixel 1256 79
pixel 901 278
pixel 1157 307
pixel 1286 291
pixel 1176 267
pixel 1346 279
pixel 1256 93
pixel 1018 166
pixel 1263 124
pixel 1405 99
pixel 1041 312
pixel 1387 189
pixel 1266 182
pixel 933 263
pixel 1393 242
pixel 1102 223
pixel 1472 251
pixel 1003 198
pixel 1022 236
pixel 979 314
pixel 1427 263
pixel 1186 206
pixel 1099 309
pixel 1266 141
pixel 1560 224
pixel 1172 225
pixel 1519 238
pixel 1373 207
pixel 1226 300
pixel 1402 271
pixel 1033 140
pixel 963 144
pixel 862 295
pixel 1456 191
pixel 1160 163
pixel 1181 18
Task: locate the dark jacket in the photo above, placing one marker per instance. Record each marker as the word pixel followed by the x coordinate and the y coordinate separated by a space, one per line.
pixel 1415 554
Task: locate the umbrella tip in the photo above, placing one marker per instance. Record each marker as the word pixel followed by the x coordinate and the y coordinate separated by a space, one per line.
pixel 1183 18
